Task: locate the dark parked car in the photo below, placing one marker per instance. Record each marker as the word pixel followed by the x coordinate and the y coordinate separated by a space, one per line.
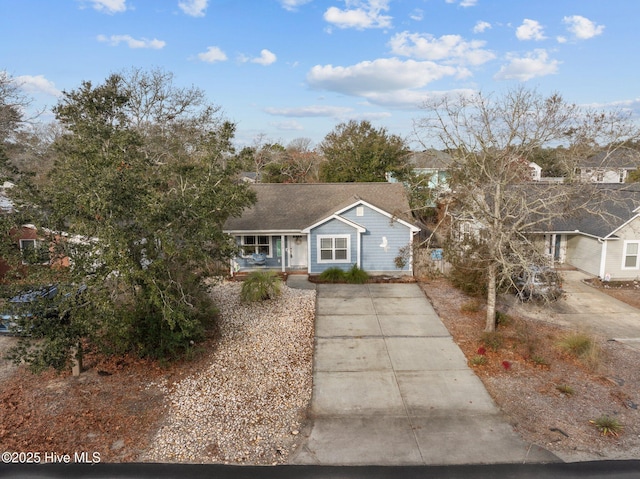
pixel 33 304
pixel 539 282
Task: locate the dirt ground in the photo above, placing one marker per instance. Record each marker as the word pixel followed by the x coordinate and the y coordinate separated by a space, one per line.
pixel 548 395
pixel 115 407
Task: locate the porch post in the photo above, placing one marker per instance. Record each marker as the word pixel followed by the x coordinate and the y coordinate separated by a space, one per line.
pixel 283 252
pixel 603 259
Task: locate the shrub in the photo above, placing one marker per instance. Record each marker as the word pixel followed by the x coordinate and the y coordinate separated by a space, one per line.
pixel 356 275
pixel 576 344
pixel 565 389
pixel 478 360
pixel 539 361
pixel 492 340
pixel 607 425
pixel 333 275
pixel 471 307
pixel 503 319
pixel 260 286
pixel 583 347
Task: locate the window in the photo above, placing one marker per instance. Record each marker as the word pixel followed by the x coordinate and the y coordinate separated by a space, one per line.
pixel 256 244
pixel 334 249
pixel 33 252
pixel 630 256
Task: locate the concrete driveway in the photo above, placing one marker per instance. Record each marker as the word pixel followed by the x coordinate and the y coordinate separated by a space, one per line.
pixel 392 388
pixel 588 309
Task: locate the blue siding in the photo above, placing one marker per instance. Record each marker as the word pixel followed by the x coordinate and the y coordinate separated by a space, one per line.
pixel 332 227
pixel 374 257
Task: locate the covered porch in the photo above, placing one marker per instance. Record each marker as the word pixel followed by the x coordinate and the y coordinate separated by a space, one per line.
pixel 285 252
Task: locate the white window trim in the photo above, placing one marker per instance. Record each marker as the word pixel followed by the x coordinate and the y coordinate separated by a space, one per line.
pixel 242 245
pixel 333 248
pixel 36 245
pixel 624 255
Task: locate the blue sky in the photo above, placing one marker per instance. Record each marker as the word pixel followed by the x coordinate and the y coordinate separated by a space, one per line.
pixel 286 69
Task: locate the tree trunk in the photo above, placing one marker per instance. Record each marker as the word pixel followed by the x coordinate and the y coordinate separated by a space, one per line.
pixel 491 300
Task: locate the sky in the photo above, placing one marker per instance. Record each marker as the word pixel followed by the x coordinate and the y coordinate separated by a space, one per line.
pixel 288 69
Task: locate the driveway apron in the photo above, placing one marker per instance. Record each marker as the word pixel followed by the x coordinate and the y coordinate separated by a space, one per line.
pixel 588 309
pixel 392 388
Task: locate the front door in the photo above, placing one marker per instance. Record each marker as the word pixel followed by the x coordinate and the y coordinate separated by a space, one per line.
pixel 297 251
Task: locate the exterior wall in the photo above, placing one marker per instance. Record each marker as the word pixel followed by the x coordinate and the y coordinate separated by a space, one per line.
pixel 583 252
pixel 603 175
pixel 615 253
pixel 274 261
pixel 375 258
pixel 332 227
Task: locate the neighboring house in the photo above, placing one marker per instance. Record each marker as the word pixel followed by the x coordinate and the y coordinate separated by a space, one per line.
pixel 609 166
pixel 604 244
pixel 250 177
pixel 607 245
pixel 311 227
pixel 432 163
pixel 37 248
pixel 536 171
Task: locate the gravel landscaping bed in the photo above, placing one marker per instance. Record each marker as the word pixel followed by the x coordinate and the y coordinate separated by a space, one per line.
pixel 249 404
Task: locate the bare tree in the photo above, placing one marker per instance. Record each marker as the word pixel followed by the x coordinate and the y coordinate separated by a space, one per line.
pixel 176 121
pixel 493 204
pixel 13 104
pixel 298 163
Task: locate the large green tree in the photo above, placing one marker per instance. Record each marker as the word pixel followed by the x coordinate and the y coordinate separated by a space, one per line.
pixel 356 151
pixel 138 202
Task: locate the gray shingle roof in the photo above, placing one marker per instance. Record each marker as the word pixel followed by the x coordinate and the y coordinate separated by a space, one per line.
pixel 620 158
pixel 292 207
pixel 617 202
pixel 431 158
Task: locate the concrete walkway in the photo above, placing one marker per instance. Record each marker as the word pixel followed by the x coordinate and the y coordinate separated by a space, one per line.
pixel 392 388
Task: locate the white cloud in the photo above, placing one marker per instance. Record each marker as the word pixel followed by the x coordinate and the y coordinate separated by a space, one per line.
pixel 193 8
pixel 412 99
pixel 115 40
pixel 109 6
pixel 292 5
pixel 631 106
pixel 535 64
pixel 366 14
pixel 382 75
pixel 582 28
pixel 212 55
pixel 464 3
pixel 481 26
pixel 449 48
pixel 288 126
pixel 266 58
pixel 417 15
pixel 530 30
pixel 310 111
pixel 37 84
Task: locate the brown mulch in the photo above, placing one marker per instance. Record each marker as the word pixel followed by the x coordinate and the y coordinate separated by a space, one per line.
pixel 548 395
pixel 113 408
